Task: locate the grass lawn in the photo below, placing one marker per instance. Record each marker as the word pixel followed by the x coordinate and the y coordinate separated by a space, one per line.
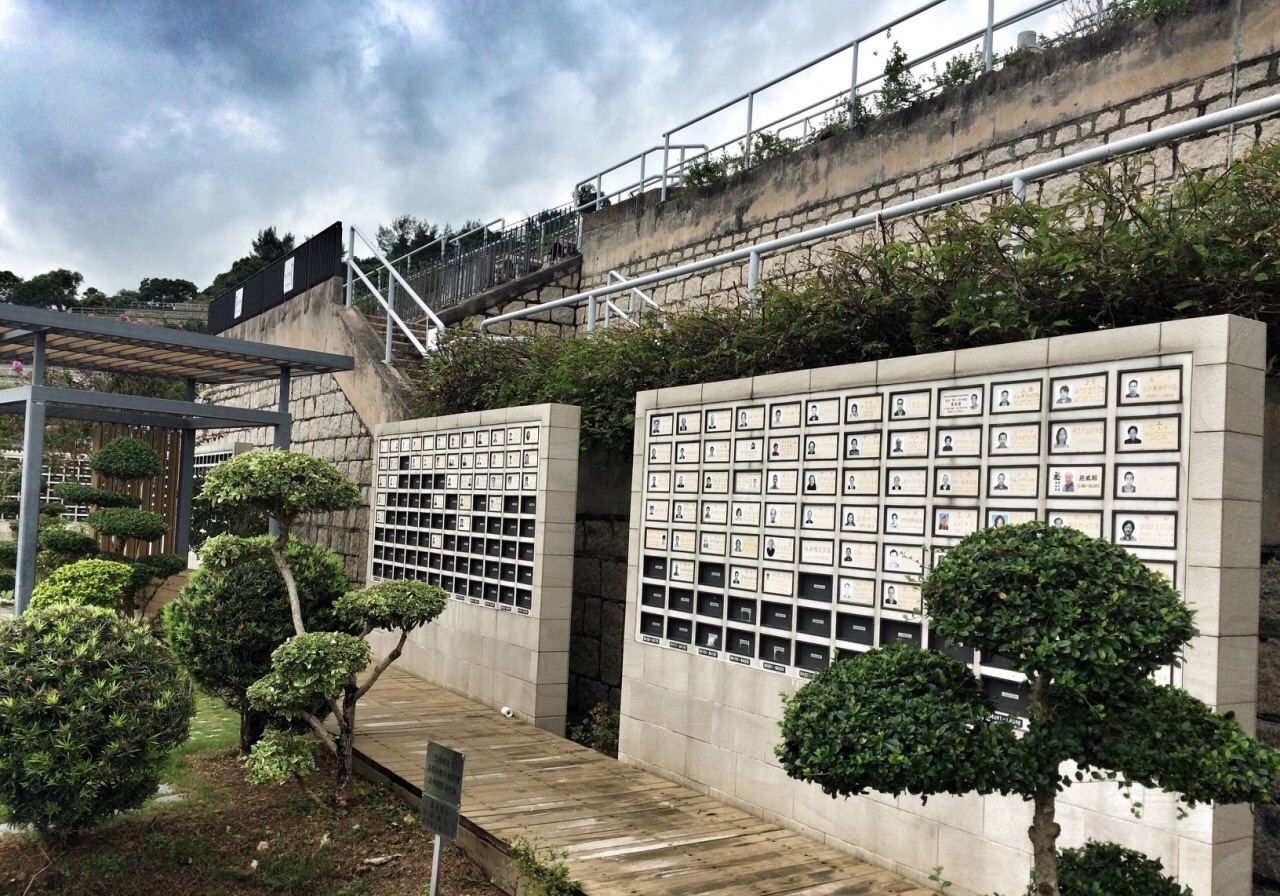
pixel 227 837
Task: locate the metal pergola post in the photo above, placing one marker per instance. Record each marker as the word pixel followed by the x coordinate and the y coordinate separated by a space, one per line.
pixel 29 494
pixel 186 482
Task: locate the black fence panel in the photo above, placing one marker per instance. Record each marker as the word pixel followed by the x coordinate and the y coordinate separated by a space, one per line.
pixel 312 263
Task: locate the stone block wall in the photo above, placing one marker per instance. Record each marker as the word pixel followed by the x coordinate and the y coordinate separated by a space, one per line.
pixel 1126 80
pixel 556 281
pixel 599 607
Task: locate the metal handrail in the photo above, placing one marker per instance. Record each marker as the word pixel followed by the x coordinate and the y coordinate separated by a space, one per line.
pixel 1015 181
pixel 432 335
pixel 596 180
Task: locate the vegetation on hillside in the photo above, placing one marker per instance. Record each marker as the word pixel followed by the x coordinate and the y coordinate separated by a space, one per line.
pixel 1117 249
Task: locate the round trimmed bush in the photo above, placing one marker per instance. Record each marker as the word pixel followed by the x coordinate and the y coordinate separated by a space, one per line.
pixel 125 458
pixel 234 611
pixel 90 706
pixel 1108 869
pixel 126 522
pixel 94 583
pixel 67 543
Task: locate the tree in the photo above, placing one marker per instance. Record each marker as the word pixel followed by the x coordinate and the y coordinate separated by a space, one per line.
pixel 1088 624
pixel 270 247
pixel 8 282
pixel 55 289
pixel 234 612
pixel 405 234
pixel 320 665
pixel 165 291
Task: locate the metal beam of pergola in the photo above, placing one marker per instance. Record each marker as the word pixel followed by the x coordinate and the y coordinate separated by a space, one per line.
pixel 39 339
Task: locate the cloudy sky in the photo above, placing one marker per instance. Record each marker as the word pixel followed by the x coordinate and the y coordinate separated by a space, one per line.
pixel 154 139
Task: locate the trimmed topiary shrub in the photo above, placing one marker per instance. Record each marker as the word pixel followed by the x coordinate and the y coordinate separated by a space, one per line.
pixel 127 459
pixel 122 523
pixel 90 706
pixel 65 542
pixel 77 493
pixel 94 583
pixel 234 611
pixel 1108 869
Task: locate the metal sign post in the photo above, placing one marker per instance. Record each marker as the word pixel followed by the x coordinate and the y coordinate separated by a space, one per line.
pixel 441 800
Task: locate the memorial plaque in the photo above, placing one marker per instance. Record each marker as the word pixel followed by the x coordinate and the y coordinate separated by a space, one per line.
pixel 908 443
pixel 782 482
pixel 903 558
pixel 906 482
pixel 747 482
pixel 859 518
pixel 716 452
pixel 784 448
pixel 900 520
pixel 863 445
pixel 901 596
pixel 1146 481
pixel 659 425
pixel 965 401
pixel 655 539
pixel 782 416
pixel 712 544
pixel 779 549
pixel 780 516
pixel 1016 439
pixel 1162 385
pixel 750 418
pixel 858 554
pixel 955 522
pixel 748 450
pixel 684 510
pixel 1153 530
pixel 862 481
pixel 1013 482
pixel 863 408
pixel 746 513
pixel 683 541
pixel 820 482
pixel 956 482
pixel 1016 397
pixel 744 546
pixel 1135 434
pixel 659 453
pixel 817 551
pixel 998 519
pixel 1084 481
pixel 959 442
pixel 688 423
pixel 818 516
pixel 779 581
pixel 1088 522
pixel 1088 391
pixel 743 578
pixel 715 513
pixel 659 483
pixel 821 447
pixel 1078 437
pixel 822 412
pixel 909 405
pixel 719 421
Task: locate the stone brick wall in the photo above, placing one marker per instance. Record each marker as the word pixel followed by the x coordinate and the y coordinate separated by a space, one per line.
pixel 1126 80
pixel 599 607
pixel 556 281
pixel 327 426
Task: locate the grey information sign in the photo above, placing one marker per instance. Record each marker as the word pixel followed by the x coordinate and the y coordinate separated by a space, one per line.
pixel 442 791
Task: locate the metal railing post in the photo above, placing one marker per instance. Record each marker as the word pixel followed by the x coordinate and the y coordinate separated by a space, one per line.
pixel 753 277
pixel 746 155
pixel 391 304
pixel 599 190
pixel 591 312
pixel 1019 189
pixel 666 152
pixel 853 84
pixel 351 255
pixel 988 44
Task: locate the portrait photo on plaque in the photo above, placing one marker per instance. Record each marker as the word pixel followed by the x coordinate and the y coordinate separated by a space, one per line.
pixel 903 520
pixel 1087 521
pixel 779 548
pixel 744 546
pixel 861 481
pixel 689 423
pixel 785 415
pixel 785 448
pixel 1013 482
pixel 712 544
pixel 818 516
pixel 1157 385
pixel 821 447
pixel 780 516
pixel 1137 481
pixel 1137 434
pixel 958 441
pixel 862 445
pixel 743 578
pixel 716 451
pixel 858 592
pixel 529 482
pixel 901 596
pixel 1147 530
pixel 1084 481
pixel 961 401
pixel 906 482
pixel 682 570
pixel 1019 396
pixel 863 408
pixel 1084 391
pixel 817 551
pixel 821 411
pixel 748 450
pixel 746 513
pixel 954 522
pixel 819 482
pixel 858 555
pixel 455 440
pixel 684 482
pixel 748 482
pixel 684 510
pixel 659 425
pixel 914 405
pixel 908 443
pixel 749 418
pixel 718 421
pixel 530 458
pixel 858 518
pixel 1014 439
pixel 781 482
pixel 900 558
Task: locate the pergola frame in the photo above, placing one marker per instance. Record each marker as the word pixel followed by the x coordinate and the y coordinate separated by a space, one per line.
pixel 39 338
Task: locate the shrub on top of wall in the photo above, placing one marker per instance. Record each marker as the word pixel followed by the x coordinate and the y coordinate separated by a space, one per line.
pixel 1117 250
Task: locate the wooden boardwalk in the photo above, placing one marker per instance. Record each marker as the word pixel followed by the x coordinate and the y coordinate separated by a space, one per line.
pixel 626 831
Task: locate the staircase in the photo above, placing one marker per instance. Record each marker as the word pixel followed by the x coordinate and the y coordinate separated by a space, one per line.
pixel 404 355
